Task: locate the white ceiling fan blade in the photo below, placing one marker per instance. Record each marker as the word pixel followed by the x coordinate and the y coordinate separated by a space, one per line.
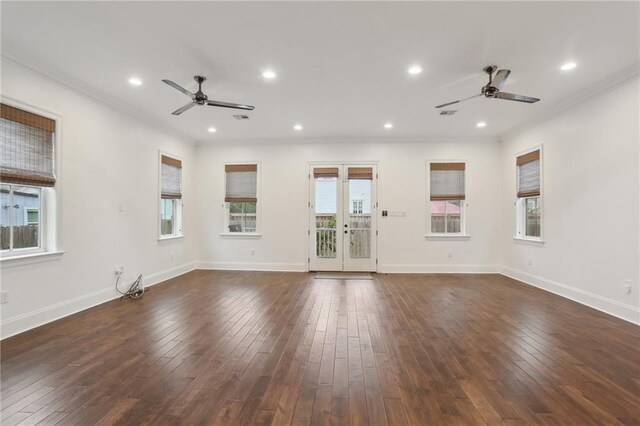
pixel 518 98
pixel 184 108
pixel 180 88
pixel 500 78
pixel 458 101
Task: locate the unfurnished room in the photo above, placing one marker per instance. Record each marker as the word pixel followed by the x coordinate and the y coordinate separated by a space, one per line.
pixel 319 213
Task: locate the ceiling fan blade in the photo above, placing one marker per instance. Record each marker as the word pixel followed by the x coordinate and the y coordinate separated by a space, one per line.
pixel 458 101
pixel 500 78
pixel 518 98
pixel 230 105
pixel 184 108
pixel 180 88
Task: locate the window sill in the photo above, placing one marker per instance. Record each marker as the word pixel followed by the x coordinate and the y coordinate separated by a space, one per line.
pixel 447 237
pixel 27 259
pixel 246 235
pixel 532 241
pixel 171 237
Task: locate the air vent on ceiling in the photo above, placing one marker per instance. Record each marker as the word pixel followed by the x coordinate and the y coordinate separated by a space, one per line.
pixel 448 112
pixel 241 117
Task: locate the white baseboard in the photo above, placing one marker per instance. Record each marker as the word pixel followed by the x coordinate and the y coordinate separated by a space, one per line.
pixel 251 266
pixel 437 269
pixel 29 320
pixel 604 304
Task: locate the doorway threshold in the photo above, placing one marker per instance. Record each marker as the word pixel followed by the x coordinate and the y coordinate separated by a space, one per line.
pixel 343 276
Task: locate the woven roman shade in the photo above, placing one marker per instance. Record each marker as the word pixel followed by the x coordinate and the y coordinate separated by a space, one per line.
pixel 447 181
pixel 325 172
pixel 241 183
pixel 171 178
pixel 26 147
pixel 365 173
pixel 529 174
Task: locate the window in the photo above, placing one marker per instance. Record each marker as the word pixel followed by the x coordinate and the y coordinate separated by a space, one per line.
pixel 28 174
pixel 447 195
pixel 170 197
pixel 241 199
pixel 529 202
pixel 357 206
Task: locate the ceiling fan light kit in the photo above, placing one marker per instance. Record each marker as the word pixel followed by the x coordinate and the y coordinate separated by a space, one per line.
pixel 493 88
pixel 199 98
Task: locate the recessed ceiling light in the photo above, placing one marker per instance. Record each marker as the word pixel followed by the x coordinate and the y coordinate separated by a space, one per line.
pixel 135 81
pixel 568 66
pixel 415 69
pixel 481 124
pixel 388 125
pixel 269 74
pixel 298 127
pixel 212 130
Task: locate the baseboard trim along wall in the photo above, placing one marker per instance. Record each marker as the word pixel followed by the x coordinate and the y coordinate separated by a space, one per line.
pixel 437 269
pixel 29 320
pixel 608 306
pixel 251 266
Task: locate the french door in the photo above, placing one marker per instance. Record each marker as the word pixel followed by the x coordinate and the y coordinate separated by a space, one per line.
pixel 343 223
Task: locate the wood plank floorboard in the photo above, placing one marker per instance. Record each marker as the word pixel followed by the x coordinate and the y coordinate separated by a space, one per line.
pixel 236 348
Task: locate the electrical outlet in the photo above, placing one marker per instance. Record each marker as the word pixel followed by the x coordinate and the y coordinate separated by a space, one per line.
pixel 171 256
pixel 253 252
pixel 529 262
pixel 118 270
pixel 450 254
pixel 4 297
pixel 627 286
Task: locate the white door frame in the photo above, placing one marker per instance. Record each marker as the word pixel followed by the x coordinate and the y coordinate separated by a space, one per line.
pixel 342 262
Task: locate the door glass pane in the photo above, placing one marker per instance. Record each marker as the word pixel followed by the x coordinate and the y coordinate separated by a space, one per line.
pixel 326 210
pixel 26 206
pixel 360 218
pixel 5 203
pixel 533 218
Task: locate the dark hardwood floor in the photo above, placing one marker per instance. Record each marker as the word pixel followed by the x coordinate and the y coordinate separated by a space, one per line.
pixel 235 348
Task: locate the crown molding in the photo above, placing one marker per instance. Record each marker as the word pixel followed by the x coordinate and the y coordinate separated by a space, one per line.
pixel 111 103
pixel 617 79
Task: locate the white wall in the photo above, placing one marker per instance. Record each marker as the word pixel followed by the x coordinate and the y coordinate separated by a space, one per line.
pixel 107 159
pixel 591 203
pixel 402 246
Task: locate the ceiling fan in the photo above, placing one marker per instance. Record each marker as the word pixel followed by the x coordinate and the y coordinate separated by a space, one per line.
pixel 492 89
pixel 200 98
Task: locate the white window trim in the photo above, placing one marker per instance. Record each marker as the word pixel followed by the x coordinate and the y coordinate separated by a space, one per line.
pixel 179 205
pixel 50 216
pixel 520 211
pixel 463 234
pixel 225 205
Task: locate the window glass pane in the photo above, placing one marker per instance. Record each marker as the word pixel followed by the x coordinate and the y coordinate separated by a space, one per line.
pixel 438 210
pixel 25 234
pixel 453 215
pixel 532 217
pixel 5 203
pixel 326 205
pixel 242 217
pixel 167 214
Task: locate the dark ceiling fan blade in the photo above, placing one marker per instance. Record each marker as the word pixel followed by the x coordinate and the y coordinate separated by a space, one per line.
pixel 518 98
pixel 500 78
pixel 180 88
pixel 458 101
pixel 230 105
pixel 184 108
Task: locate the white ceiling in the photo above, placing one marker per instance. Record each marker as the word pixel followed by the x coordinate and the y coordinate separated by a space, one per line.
pixel 342 67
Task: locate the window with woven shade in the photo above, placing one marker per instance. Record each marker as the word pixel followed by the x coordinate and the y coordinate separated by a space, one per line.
pixel 241 198
pixel 528 194
pixel 447 197
pixel 170 196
